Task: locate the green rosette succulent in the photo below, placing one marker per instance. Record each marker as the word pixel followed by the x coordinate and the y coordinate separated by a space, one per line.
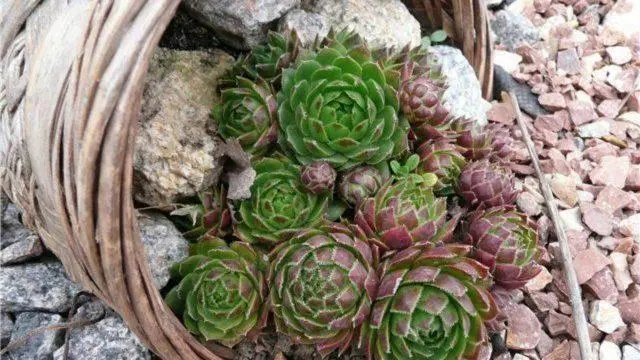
pixel 323 281
pixel 279 205
pixel 337 105
pixel 222 291
pixel 248 112
pixel 431 303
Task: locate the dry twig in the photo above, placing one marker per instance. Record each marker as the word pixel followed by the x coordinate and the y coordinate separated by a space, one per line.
pixel 572 281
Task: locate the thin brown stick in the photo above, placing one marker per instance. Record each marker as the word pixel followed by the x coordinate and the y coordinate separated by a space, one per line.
pixel 572 281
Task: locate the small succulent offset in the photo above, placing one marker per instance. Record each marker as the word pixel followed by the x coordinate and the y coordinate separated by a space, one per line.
pixel 222 291
pixel 486 185
pixel 322 282
pixel 359 184
pixel 212 218
pixel 443 159
pixel 267 61
pixel 473 138
pixel 318 177
pixel 506 241
pixel 338 106
pixel 279 205
pixel 248 112
pixel 403 213
pixel 431 304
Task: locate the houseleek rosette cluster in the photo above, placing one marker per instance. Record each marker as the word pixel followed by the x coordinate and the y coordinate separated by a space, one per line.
pixel 279 205
pixel 443 159
pixel 506 241
pixel 318 177
pixel 322 283
pixel 337 106
pixel 213 217
pixel 431 303
pixel 359 184
pixel 222 291
pixel 403 213
pixel 248 113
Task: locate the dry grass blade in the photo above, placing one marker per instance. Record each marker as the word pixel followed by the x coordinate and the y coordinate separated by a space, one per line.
pixel 579 316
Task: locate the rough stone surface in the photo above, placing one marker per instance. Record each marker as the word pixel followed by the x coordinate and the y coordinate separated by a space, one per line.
pixel 25 249
pixel 619 55
pixel 163 243
pixel 605 316
pixel 39 286
pixel 631 227
pixel 175 155
pixel 528 204
pixel 629 309
pixel 39 347
pixel 569 61
pixel 612 171
pixel 12 228
pixel 612 199
pixel 523 330
pixel 383 23
pixel 6 327
pixel 587 263
pixel 464 94
pixel 620 268
pixel 630 353
pixel 564 188
pixel 108 339
pixel 572 219
pixel 609 351
pixel 602 286
pixel 597 219
pixel 623 17
pixel 507 60
pixel 242 24
pixel 308 25
pixel 552 101
pixel 540 281
pixel 513 29
pixel 596 129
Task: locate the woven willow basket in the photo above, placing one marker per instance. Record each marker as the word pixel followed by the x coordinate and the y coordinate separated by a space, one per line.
pixel 71 80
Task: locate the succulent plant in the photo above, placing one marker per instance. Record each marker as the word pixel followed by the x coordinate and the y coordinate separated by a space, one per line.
pixel 249 113
pixel 420 100
pixel 322 285
pixel 359 183
pixel 502 145
pixel 506 241
pixel 403 213
pixel 318 177
pixel 473 138
pixel 443 159
pixel 337 106
pixel 483 184
pixel 213 217
pixel 279 205
pixel 222 291
pixel 267 61
pixel 431 303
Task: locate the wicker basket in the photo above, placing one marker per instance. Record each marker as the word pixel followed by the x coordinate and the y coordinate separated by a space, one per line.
pixel 71 80
pixel 468 24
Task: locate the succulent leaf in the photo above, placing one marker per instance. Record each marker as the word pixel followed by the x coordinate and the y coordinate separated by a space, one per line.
pixel 279 205
pixel 213 218
pixel 248 113
pixel 443 159
pixel 431 303
pixel 337 106
pixel 506 241
pixel 486 185
pixel 222 291
pixel 402 213
pixel 323 281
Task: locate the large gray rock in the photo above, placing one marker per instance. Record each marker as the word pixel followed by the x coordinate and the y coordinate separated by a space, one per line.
pixel 12 228
pixel 383 23
pixel 6 328
pixel 25 249
pixel 176 155
pixel 108 339
pixel 464 94
pixel 512 29
pixel 307 24
pixel 40 286
pixel 242 24
pixel 38 347
pixel 163 243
